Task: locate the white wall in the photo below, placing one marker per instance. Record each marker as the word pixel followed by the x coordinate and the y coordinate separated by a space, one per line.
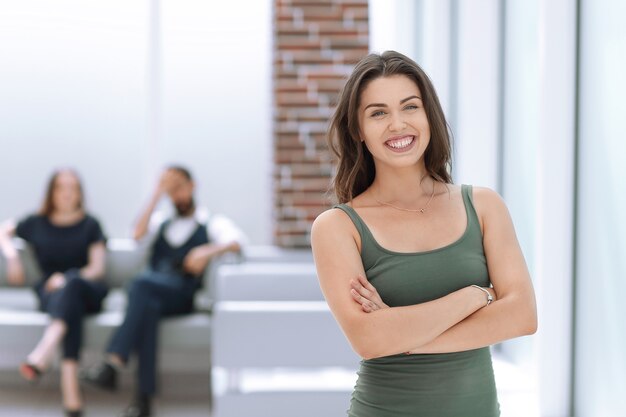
pixel 601 242
pixel 475 120
pixel 85 84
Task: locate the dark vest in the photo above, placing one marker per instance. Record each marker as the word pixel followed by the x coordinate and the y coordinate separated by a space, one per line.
pixel 168 259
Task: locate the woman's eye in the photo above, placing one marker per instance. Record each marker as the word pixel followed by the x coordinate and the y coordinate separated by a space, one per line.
pixel 410 107
pixel 377 113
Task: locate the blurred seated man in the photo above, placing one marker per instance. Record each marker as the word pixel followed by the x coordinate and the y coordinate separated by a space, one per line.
pixel 181 246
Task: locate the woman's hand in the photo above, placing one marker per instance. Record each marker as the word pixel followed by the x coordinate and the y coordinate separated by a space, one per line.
pixel 55 282
pixel 15 271
pixel 365 294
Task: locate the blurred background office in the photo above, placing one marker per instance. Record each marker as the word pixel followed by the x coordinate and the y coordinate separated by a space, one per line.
pixel 241 93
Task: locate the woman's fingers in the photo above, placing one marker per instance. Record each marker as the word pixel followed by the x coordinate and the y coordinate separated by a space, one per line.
pixel 366 304
pixel 365 294
pixel 358 297
pixel 366 284
pixel 360 289
pixel 367 290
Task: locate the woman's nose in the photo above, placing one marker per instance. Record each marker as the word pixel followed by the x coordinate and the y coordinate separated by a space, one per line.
pixel 396 122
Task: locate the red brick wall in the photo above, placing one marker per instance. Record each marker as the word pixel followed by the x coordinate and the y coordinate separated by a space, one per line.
pixel 316 44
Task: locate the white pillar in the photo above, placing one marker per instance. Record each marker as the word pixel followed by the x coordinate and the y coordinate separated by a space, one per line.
pixel 475 118
pixel 555 203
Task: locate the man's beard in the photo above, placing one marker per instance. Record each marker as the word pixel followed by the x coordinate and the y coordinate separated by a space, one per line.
pixel 185 208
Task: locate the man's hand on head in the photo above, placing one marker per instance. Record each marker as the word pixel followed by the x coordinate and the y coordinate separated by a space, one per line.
pixel 167 181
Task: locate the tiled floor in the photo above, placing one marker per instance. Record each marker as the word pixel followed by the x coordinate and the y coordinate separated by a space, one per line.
pixel 182 396
pixel 187 395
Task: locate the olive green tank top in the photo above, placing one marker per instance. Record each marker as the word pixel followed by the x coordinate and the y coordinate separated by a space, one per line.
pixel 403 278
pixel 456 384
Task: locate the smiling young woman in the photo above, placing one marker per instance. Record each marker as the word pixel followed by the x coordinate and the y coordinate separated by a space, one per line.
pixel 408 262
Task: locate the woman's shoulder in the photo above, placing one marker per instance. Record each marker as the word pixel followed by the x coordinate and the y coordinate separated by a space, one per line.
pixel 90 218
pixel 29 226
pixel 32 218
pixel 487 201
pixel 334 220
pixel 332 216
pixel 334 230
pixel 484 194
pixel 91 222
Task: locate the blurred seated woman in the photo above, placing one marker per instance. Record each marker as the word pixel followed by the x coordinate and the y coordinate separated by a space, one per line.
pixel 69 247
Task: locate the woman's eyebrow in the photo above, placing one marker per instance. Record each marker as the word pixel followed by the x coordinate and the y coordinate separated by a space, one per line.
pixel 409 98
pixel 404 100
pixel 374 105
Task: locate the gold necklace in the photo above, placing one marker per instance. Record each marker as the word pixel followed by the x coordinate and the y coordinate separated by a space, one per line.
pixel 420 210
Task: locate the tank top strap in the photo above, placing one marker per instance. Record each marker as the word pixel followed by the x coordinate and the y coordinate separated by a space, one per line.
pixel 356 219
pixel 472 216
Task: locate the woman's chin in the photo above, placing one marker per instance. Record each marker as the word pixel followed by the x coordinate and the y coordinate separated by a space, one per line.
pixel 406 162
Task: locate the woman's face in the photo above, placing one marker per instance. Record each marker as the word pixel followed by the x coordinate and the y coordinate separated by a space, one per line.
pixel 66 195
pixel 393 121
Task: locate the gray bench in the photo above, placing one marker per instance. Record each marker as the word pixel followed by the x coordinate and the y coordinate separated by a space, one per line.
pixel 21 324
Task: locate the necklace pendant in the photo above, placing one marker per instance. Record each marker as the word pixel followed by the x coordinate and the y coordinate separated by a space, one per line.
pixel 420 210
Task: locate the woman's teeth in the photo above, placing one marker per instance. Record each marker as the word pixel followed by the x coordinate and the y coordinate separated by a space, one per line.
pixel 400 143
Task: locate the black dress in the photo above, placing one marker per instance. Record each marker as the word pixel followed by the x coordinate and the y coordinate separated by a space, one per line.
pixel 65 249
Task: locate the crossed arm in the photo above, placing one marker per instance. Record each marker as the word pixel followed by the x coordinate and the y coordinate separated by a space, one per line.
pixel 458 321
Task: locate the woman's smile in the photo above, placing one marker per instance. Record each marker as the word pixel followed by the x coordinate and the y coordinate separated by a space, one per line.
pixel 400 144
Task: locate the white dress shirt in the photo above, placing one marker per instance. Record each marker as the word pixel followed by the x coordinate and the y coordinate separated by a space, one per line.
pixel 220 229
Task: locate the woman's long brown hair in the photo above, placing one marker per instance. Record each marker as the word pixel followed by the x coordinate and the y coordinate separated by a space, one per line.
pixel 355 169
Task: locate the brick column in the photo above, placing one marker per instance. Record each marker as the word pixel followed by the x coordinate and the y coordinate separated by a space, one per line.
pixel 316 44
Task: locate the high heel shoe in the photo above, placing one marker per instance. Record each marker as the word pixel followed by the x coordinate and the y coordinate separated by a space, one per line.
pixel 30 372
pixel 74 413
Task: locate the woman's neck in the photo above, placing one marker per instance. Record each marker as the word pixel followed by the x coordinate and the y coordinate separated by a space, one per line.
pixel 402 185
pixel 62 217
